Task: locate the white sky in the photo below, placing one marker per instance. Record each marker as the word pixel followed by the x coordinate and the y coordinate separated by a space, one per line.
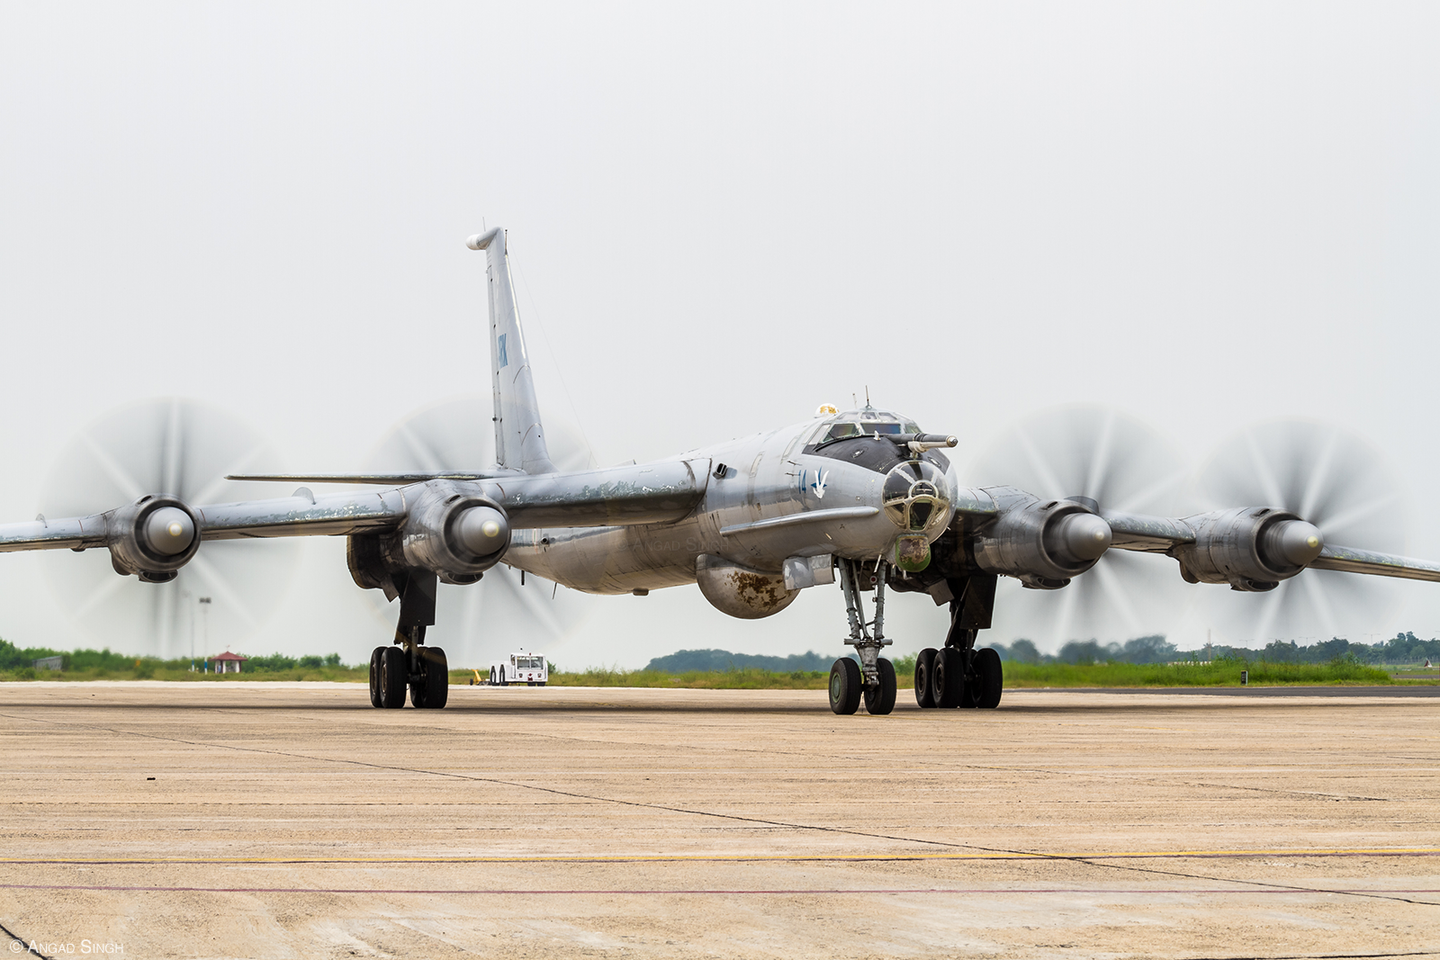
pixel 1205 216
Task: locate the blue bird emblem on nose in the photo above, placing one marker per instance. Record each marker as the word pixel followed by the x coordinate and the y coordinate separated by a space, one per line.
pixel 817 486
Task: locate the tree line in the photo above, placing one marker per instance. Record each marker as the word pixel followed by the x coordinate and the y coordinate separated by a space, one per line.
pixel 18 658
pixel 1401 648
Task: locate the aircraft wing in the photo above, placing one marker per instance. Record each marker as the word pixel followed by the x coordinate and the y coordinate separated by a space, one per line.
pixel 653 493
pixel 1351 560
pixel 1133 531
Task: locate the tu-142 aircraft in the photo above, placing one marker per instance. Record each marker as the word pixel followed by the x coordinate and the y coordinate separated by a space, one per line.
pixel 863 496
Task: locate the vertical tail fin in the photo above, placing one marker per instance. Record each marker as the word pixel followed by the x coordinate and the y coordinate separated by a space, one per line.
pixel 519 438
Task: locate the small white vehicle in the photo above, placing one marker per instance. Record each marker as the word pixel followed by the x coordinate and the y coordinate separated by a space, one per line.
pixel 527 668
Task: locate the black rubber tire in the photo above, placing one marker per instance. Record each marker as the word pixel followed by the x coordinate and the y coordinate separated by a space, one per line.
pixel 947 679
pixel 924 666
pixel 990 678
pixel 435 684
pixel 880 700
pixel 502 676
pixel 394 677
pixel 375 656
pixel 845 686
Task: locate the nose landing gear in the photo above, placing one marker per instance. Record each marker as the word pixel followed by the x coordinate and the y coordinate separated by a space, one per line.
pixel 872 679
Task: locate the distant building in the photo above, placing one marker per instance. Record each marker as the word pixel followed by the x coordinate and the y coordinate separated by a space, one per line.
pixel 48 663
pixel 228 662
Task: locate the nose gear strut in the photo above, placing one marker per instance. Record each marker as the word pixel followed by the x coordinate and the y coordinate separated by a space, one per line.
pixel 873 678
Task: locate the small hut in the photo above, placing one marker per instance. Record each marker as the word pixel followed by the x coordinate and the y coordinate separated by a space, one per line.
pixel 228 662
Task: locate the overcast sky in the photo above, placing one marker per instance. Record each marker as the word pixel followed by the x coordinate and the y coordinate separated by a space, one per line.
pixel 1204 216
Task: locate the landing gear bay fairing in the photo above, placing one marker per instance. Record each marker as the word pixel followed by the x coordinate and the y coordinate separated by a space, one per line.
pixel 865 498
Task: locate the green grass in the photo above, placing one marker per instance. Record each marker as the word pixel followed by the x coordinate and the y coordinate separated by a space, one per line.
pixel 1219 673
pixel 174 670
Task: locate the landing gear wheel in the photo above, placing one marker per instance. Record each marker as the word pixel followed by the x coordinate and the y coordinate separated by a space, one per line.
pixel 375 656
pixel 394 677
pixel 433 688
pixel 924 666
pixel 990 679
pixel 844 686
pixel 880 699
pixel 947 678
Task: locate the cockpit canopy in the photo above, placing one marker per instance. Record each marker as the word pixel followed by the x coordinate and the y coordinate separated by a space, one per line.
pixel 859 437
pixel 867 422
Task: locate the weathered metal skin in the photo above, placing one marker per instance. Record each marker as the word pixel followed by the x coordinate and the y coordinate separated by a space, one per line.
pixel 765 501
pixel 152 538
pixel 434 537
pixel 1250 548
pixel 1038 541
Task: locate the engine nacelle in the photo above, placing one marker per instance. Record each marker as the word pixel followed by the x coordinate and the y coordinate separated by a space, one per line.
pixel 1250 548
pixel 458 536
pixel 1042 543
pixel 741 591
pixel 152 538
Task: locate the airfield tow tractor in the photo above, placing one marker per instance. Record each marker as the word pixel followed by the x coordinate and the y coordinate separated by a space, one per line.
pixel 527 668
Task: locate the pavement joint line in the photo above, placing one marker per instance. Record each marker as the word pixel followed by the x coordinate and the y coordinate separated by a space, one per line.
pixel 731 858
pixel 721 891
pixel 1087 860
pixel 1092 861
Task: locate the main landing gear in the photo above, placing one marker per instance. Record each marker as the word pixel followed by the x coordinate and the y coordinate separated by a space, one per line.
pixel 873 678
pixel 959 675
pixel 408 663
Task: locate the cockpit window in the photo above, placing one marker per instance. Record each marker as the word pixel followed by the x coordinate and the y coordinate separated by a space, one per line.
pixel 865 426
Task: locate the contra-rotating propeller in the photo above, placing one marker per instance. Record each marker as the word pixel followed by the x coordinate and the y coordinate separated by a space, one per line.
pixel 1120 464
pixel 1336 481
pixel 497 614
pixel 183 448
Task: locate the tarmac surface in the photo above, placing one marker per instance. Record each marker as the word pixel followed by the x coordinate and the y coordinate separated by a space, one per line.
pixel 293 820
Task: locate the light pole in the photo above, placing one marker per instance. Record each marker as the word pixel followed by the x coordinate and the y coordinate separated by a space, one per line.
pixel 205 614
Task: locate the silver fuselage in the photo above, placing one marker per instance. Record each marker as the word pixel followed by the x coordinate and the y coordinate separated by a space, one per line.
pixel 767 476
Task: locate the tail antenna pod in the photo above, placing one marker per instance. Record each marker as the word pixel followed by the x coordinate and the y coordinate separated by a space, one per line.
pixel 519 436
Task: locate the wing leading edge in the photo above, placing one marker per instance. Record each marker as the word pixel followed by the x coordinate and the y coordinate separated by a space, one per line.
pixel 653 493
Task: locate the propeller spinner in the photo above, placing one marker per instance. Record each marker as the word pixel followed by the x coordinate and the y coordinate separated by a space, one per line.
pixel 1104 460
